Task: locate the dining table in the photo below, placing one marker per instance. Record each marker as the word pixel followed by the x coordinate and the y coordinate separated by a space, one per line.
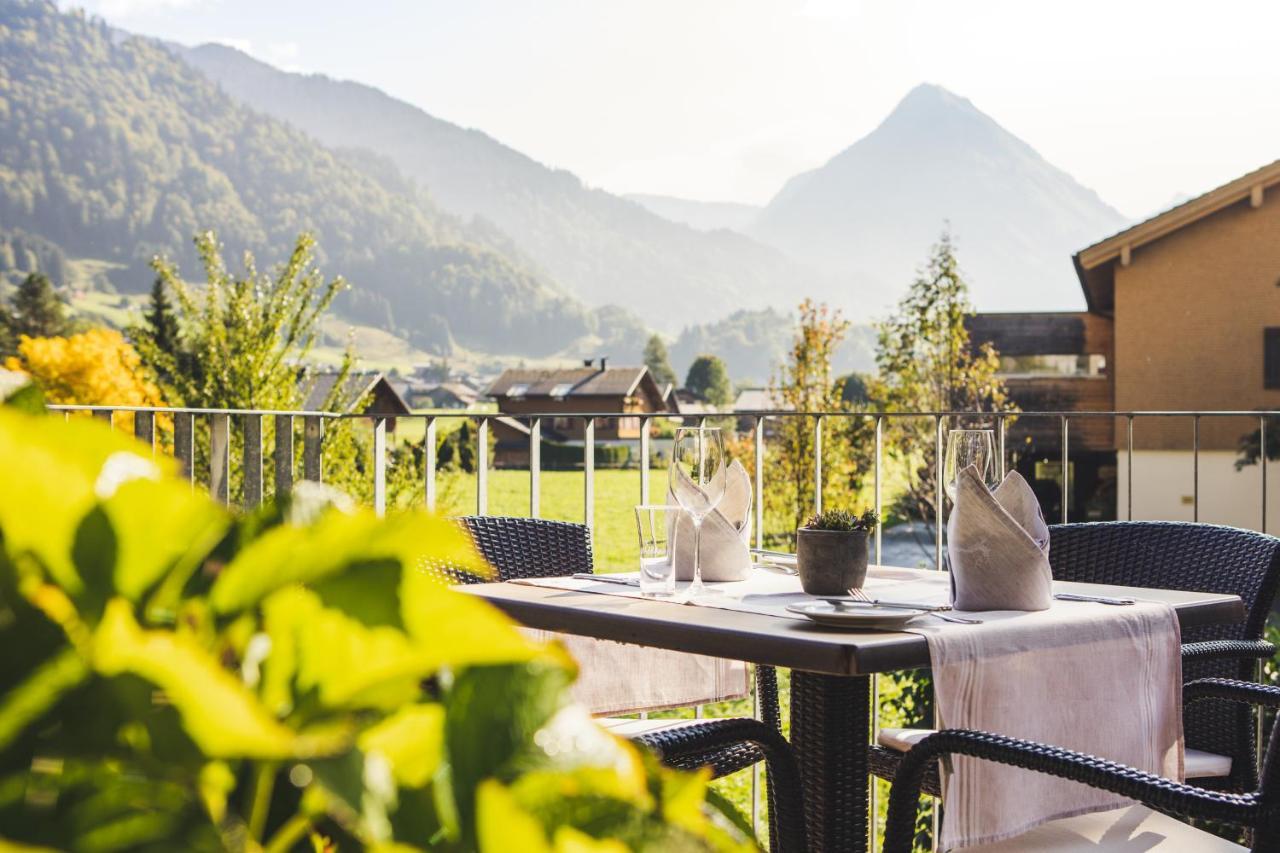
pixel 831 671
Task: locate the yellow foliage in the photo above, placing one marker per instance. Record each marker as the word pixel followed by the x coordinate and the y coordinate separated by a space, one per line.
pixel 97 367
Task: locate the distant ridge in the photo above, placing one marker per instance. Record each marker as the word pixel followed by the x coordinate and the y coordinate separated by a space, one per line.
pixel 600 247
pixel 872 211
pixel 702 215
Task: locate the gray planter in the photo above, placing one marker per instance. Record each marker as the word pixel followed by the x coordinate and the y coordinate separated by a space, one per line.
pixel 831 562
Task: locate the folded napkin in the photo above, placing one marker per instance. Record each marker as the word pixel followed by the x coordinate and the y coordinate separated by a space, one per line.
pixel 620 678
pixel 998 545
pixel 1106 681
pixel 726 531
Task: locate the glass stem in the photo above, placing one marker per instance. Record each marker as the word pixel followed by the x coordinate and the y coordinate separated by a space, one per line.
pixel 696 586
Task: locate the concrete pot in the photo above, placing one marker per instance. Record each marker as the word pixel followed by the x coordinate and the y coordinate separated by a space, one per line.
pixel 831 562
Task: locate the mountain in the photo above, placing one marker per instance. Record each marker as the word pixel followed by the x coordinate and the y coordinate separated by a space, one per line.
pixel 871 213
pixel 112 148
pixel 702 215
pixel 600 247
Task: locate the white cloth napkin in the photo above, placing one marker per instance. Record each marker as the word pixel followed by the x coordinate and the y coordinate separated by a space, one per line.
pixel 726 531
pixel 1099 679
pixel 998 545
pixel 620 678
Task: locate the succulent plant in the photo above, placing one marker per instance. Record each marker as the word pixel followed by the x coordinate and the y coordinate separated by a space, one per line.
pixel 839 519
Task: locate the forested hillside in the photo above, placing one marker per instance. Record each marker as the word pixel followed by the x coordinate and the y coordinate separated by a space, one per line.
pixel 112 148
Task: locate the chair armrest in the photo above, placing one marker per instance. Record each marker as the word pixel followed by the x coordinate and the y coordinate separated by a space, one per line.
pixel 1155 791
pixel 1228 650
pixel 1245 692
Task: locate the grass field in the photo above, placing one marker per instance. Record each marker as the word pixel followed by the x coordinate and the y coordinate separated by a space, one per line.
pixel 562 499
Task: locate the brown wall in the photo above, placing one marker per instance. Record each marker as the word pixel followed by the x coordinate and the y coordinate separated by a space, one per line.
pixel 1189 314
pixel 606 427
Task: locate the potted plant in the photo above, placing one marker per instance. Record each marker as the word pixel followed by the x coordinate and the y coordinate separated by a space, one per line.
pixel 831 551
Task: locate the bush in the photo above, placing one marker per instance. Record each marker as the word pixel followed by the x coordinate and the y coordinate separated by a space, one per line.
pixel 567 457
pixel 179 677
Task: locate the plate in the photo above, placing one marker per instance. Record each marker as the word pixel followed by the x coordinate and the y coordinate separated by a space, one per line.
pixel 855 615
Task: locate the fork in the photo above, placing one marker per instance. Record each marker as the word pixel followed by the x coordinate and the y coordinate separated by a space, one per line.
pixel 861 595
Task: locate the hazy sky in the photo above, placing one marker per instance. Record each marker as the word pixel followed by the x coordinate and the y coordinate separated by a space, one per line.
pixel 726 99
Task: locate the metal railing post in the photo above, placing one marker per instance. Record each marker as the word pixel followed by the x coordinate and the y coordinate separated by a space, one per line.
pixel 220 457
pixel 429 464
pixel 759 482
pixel 380 466
pixel 535 467
pixel 880 502
pixel 105 415
pixel 589 473
pixel 1001 429
pixel 144 429
pixel 312 448
pixel 644 460
pixel 251 427
pixel 1262 461
pixel 1195 468
pixel 184 444
pixel 1129 462
pixel 282 455
pixel 817 464
pixel 482 467
pixel 937 492
pixel 1066 478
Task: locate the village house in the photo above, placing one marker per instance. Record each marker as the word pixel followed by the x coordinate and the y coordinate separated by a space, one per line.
pixel 1183 315
pixel 621 394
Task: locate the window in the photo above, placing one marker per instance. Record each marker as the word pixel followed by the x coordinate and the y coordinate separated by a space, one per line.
pixel 518 390
pixel 562 390
pixel 1271 357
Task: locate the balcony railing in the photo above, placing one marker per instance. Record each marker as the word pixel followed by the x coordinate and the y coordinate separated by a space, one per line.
pixel 283 457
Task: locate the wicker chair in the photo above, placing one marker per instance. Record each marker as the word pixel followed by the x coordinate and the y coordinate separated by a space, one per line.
pixel 534 548
pixel 1147 827
pixel 1220 735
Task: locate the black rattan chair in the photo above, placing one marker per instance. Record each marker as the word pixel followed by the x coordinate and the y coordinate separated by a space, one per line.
pixel 1220 736
pixel 1147 827
pixel 536 548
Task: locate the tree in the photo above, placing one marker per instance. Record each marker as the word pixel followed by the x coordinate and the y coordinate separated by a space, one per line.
pixel 239 341
pixel 804 384
pixel 927 363
pixel 709 379
pixel 160 330
pixel 36 311
pixel 658 362
pixel 97 367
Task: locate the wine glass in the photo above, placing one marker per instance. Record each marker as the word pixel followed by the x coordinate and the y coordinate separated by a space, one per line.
pixel 965 447
pixel 696 477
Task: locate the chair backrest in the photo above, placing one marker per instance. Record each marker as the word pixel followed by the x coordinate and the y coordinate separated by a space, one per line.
pixel 531 547
pixel 1197 557
pixel 1174 555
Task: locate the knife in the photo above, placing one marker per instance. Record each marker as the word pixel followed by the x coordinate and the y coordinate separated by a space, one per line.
pixel 586 576
pixel 895 605
pixel 1096 599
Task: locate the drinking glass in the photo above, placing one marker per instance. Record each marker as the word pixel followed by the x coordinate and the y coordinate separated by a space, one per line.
pixel 697 478
pixel 965 447
pixel 656 525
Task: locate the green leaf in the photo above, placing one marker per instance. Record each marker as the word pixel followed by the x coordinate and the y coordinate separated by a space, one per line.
pixel 501 825
pixel 63 468
pixel 219 714
pixel 412 740
pixel 338 540
pixel 160 527
pixel 26 703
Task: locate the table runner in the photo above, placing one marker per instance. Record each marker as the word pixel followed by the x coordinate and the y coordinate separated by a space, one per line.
pixel 622 678
pixel 1099 679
